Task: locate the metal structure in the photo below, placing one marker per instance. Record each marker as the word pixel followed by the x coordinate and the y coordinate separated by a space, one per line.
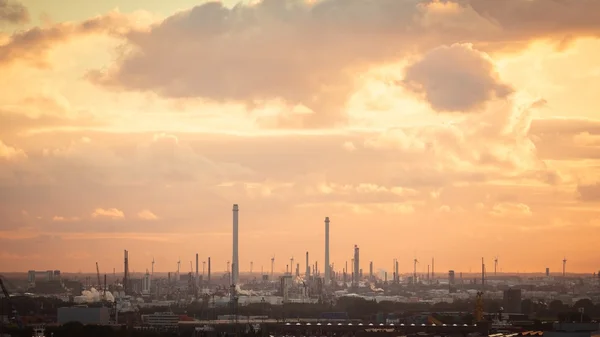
pixel 235 268
pixel 126 273
pixel 98 275
pixel 327 265
pixel 479 307
pixel 495 265
pixel 415 271
pixel 15 313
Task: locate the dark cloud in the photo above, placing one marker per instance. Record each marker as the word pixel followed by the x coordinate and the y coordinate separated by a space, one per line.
pixel 13 12
pixel 308 54
pixel 456 79
pixel 32 45
pixel 589 192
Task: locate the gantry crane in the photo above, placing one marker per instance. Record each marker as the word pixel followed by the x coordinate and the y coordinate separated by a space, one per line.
pixel 15 313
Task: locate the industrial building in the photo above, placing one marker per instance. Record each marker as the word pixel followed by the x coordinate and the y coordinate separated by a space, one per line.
pixel 512 300
pixel 43 276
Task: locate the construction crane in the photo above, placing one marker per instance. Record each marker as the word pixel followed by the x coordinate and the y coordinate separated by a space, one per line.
pixel 272 265
pixel 479 307
pixel 98 275
pixel 15 313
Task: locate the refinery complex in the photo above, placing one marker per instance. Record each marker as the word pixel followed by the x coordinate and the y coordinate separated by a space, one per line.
pixel 306 296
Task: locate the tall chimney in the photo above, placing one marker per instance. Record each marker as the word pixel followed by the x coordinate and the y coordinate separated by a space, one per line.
pixel 432 269
pixel 197 277
pixel 208 276
pixel 307 276
pixel 235 265
pixel 356 266
pixel 482 274
pixel 327 271
pixel 371 270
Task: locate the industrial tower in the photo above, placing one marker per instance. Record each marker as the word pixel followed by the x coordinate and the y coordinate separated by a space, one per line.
pixel 235 263
pixel 327 266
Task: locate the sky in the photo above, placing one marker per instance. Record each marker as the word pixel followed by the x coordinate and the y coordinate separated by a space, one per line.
pixel 454 129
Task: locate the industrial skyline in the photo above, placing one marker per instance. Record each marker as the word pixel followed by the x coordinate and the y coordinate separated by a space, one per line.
pixel 312 267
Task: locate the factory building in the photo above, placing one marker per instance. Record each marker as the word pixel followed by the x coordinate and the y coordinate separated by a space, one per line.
pixel 285 283
pixel 451 277
pixel 146 283
pixel 83 315
pixel 512 301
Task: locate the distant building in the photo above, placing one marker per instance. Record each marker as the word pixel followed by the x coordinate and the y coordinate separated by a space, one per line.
pixel 451 277
pixel 83 315
pixel 146 284
pixel 43 276
pixel 285 284
pixel 512 301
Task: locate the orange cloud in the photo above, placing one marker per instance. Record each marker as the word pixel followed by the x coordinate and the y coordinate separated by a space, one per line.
pixel 65 219
pixel 112 213
pixel 147 215
pixel 13 12
pixel 10 153
pixel 32 45
pixel 282 59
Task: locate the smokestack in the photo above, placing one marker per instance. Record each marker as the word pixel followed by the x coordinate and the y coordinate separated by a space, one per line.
pixel 356 266
pixel 428 279
pixel 235 262
pixel 307 268
pixel 197 278
pixel 482 274
pixel 125 271
pixel 371 270
pixel 397 273
pixel 432 269
pixel 208 276
pixel 327 271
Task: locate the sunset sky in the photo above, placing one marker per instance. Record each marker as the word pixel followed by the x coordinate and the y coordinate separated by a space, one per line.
pixel 454 129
